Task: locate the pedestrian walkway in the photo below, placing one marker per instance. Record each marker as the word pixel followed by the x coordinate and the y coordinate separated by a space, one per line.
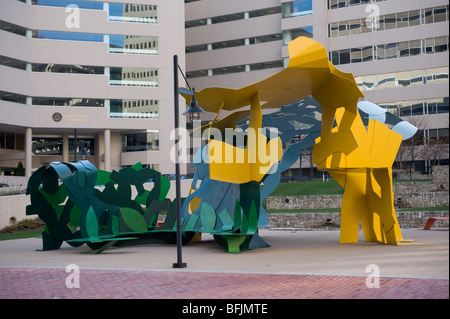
pixel 298 265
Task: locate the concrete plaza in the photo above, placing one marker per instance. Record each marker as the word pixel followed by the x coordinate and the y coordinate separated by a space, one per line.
pixel 298 265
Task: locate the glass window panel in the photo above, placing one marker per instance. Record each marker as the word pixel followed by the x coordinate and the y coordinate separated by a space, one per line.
pixel 364 26
pixel 368 82
pixel 390 107
pixel 441 74
pixel 132 44
pixel 432 135
pixel 334 30
pixel 381 53
pixel 415 47
pixel 82 4
pixel 134 109
pixel 443 134
pixel 70 36
pixel 419 137
pixel 386 80
pixel 404 78
pixel 389 21
pixel 432 106
pixel 440 14
pixel 355 26
pixel 355 55
pixel 391 50
pixel 442 105
pixel 417 107
pixel 428 15
pixel 142 13
pixel 138 142
pixel 381 23
pixel 355 2
pixel 344 56
pixel 134 76
pixel 429 45
pixel 414 18
pixel 441 44
pixel 367 54
pixel 417 77
pixel 343 28
pixel 301 8
pixel 342 3
pixel 333 4
pixel 335 57
pixel 405 108
pixel 402 19
pixel 403 49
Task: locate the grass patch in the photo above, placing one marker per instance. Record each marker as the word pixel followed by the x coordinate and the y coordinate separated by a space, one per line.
pixel 21 234
pixel 308 188
pixel 26 228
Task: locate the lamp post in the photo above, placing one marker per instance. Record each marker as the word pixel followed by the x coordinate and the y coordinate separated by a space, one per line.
pixel 193 112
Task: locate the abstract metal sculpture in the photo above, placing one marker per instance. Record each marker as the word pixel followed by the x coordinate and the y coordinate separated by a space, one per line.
pixel 233 177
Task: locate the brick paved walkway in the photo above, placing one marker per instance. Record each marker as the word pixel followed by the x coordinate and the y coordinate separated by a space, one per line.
pixel 47 283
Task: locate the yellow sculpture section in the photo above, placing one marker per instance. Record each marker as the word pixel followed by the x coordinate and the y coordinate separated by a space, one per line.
pixel 359 158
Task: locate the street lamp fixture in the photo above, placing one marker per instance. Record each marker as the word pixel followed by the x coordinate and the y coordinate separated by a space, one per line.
pixel 193 110
pixel 194 113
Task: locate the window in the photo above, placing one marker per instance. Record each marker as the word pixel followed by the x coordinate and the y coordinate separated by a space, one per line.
pixel 139 142
pixel 381 53
pixel 344 56
pixel 368 82
pixel 134 109
pixel 428 15
pixel 405 108
pixel 297 8
pixel 367 54
pixel 134 77
pixel 355 26
pixel 355 55
pixel 82 4
pixel 141 13
pixel 389 21
pixel 403 49
pixel 12 63
pixel 290 35
pixel 440 14
pixel 415 47
pixel 414 18
pixel 402 19
pixel 441 44
pixel 417 107
pixel 54 145
pixel 133 44
pixel 391 50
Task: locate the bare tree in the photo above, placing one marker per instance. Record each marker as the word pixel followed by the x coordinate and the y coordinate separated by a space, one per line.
pixel 411 149
pixel 435 150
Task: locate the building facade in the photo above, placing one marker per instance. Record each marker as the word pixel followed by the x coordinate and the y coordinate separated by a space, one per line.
pixel 396 49
pixel 100 71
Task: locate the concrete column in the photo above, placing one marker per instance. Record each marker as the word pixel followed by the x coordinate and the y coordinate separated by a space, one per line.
pixel 28 152
pixel 107 153
pixel 65 146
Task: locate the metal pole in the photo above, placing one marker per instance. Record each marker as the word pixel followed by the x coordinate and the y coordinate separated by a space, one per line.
pixel 179 263
pixel 75 142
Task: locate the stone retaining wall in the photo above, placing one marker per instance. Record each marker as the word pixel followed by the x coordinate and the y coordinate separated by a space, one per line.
pixel 333 220
pixel 408 194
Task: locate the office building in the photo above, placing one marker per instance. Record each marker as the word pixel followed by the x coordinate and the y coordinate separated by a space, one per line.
pixel 396 49
pixel 98 70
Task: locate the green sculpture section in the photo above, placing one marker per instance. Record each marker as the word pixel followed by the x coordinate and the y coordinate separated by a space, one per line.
pixel 81 204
